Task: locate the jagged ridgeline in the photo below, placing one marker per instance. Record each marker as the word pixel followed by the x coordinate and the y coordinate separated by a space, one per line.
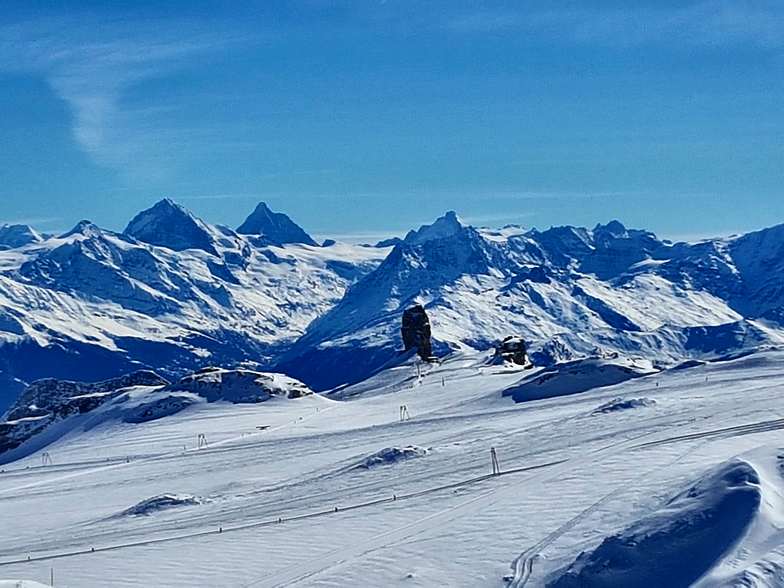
pixel 173 293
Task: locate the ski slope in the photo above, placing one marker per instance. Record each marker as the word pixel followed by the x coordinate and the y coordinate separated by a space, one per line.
pixel 281 494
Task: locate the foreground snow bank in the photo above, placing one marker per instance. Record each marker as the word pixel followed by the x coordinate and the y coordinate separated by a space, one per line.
pixel 577 376
pixel 677 544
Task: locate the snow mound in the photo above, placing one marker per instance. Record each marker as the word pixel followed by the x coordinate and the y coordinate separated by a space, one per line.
pixel 392 455
pixel 675 545
pixel 618 404
pixel 577 376
pixel 239 386
pixel 161 502
pixel 22 584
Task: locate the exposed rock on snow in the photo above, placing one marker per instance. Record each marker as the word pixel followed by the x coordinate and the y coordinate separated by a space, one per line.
pixel 277 227
pixel 415 331
pixel 677 544
pixel 158 408
pixel 61 398
pixel 239 386
pixel 512 349
pixel 618 404
pixel 576 377
pixel 162 502
pixel 392 455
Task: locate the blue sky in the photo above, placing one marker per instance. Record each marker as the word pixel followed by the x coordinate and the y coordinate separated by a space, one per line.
pixel 364 118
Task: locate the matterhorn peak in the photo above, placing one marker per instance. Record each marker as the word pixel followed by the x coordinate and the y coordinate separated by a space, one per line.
pixel 275 226
pixel 168 224
pixel 444 226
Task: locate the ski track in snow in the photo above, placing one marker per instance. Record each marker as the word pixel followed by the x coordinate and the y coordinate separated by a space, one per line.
pixel 301 473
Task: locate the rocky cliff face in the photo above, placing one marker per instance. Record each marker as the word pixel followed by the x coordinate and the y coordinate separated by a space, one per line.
pixel 415 331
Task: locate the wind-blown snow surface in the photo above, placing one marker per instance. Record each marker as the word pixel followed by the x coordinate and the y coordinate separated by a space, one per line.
pixel 576 479
pixel 173 293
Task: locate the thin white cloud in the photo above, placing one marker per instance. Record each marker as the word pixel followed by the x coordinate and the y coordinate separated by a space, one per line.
pixel 93 65
pixel 707 23
pixel 33 221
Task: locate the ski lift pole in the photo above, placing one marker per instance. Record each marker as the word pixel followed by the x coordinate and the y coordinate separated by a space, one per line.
pixel 494 461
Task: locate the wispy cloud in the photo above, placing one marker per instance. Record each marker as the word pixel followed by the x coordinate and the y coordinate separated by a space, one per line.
pixel 92 65
pixel 707 23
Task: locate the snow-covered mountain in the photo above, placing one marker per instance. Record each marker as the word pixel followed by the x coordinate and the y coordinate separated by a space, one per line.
pixel 171 293
pixel 174 293
pixel 12 236
pixel 569 291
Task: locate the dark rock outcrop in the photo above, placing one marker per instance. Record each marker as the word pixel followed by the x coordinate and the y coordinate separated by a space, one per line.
pixel 415 331
pixel 512 349
pixel 49 401
pixel 61 398
pixel 239 386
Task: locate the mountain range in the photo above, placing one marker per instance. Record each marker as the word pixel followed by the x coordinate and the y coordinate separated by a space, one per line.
pixel 174 293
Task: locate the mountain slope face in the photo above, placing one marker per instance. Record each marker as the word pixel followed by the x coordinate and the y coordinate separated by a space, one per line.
pixel 569 291
pixel 172 293
pixel 12 236
pixel 276 227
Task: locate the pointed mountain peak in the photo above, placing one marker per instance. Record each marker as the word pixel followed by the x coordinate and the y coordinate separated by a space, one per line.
pixel 275 226
pixel 168 224
pixel 614 228
pixel 14 236
pixel 444 226
pixel 84 228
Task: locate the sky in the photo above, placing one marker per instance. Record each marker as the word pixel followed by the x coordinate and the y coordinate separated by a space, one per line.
pixel 364 118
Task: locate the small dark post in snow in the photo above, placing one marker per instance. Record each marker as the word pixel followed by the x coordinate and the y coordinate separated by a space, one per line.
pixel 494 461
pixel 51 576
